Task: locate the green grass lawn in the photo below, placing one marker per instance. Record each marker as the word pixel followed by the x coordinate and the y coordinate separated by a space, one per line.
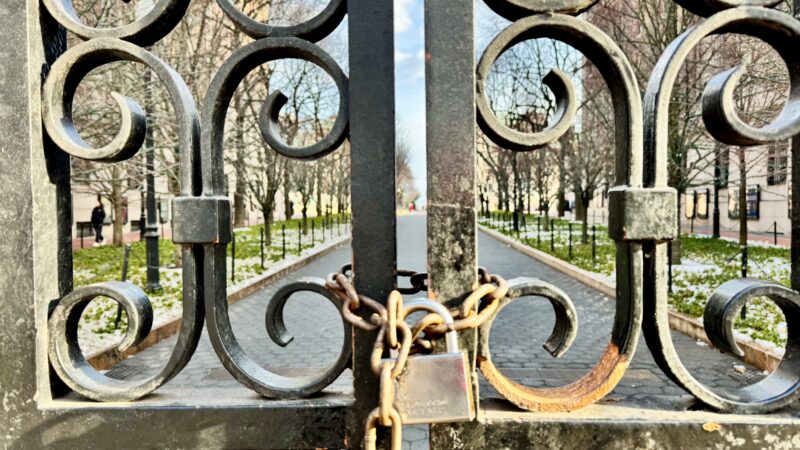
pixel 707 263
pixel 98 264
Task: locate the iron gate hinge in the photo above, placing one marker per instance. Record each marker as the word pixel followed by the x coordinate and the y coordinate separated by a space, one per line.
pixel 642 214
pixel 201 220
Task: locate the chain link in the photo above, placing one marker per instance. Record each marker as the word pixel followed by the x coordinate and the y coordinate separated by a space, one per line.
pixel 403 339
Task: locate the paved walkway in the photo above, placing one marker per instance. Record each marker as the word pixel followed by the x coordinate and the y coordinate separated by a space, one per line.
pixel 516 338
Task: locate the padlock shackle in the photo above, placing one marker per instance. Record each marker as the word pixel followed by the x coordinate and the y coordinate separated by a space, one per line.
pixel 423 304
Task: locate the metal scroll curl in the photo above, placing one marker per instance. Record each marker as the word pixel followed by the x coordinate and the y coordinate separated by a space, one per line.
pixel 246 59
pixel 58 92
pixel 706 8
pixel 251 374
pixel 147 30
pixel 218 99
pixel 313 30
pixel 782 32
pixel 69 71
pixel 560 340
pixel 618 74
pixel 70 364
pixel 517 9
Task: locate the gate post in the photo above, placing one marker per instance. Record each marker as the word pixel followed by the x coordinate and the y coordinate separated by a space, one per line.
pixel 35 216
pixel 372 147
pixel 452 221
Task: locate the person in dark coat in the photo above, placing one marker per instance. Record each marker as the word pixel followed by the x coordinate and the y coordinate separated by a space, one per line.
pixel 98 218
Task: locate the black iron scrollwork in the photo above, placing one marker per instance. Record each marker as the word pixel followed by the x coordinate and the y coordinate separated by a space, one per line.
pixel 782 32
pixel 275 43
pixel 548 22
pixel 145 31
pixel 104 46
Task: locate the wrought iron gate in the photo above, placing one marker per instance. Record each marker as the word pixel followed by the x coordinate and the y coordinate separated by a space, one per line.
pixel 52 397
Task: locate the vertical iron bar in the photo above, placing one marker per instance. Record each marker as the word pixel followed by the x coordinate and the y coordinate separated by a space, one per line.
pixel 283 236
pixel 233 259
pixel 795 209
pixel 313 238
pixel 775 232
pixel 570 240
pixel 372 148
pixel 262 247
pixel 538 231
pixel 126 254
pixel 299 237
pixel 452 219
pixel 594 244
pixel 149 221
pixel 744 275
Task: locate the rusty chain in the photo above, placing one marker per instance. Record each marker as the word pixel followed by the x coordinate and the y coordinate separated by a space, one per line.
pixel 403 340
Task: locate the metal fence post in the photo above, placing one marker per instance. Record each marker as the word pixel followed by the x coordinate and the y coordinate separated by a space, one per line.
pixel 299 237
pixel 36 204
pixel 372 150
pixel 775 232
pixel 450 91
pixel 594 244
pixel 283 236
pixel 262 247
pixel 233 259
pixel 538 231
pixel 570 240
pixel 126 254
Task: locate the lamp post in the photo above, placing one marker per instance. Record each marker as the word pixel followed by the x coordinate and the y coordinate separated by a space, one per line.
pixel 151 224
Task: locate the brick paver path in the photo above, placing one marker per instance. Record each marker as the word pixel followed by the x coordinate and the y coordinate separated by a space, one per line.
pixel 516 340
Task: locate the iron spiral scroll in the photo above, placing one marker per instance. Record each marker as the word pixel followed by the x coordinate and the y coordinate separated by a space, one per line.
pixel 201 214
pixel 272 43
pixel 782 32
pixel 102 46
pixel 556 20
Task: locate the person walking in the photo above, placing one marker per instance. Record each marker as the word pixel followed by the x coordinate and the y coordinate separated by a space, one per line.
pixel 98 218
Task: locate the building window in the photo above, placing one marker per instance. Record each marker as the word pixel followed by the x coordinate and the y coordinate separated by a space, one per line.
pixel 690 204
pixel 702 204
pixel 777 163
pixel 753 203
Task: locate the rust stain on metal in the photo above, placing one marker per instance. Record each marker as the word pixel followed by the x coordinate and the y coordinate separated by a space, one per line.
pixel 583 392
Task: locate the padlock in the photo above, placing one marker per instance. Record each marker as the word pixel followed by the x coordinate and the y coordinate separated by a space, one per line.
pixel 435 388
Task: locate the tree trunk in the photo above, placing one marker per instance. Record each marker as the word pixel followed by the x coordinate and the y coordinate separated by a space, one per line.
pixel 116 203
pixel 240 193
pixel 546 222
pixel 561 198
pixel 580 214
pixel 287 211
pixel 268 229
